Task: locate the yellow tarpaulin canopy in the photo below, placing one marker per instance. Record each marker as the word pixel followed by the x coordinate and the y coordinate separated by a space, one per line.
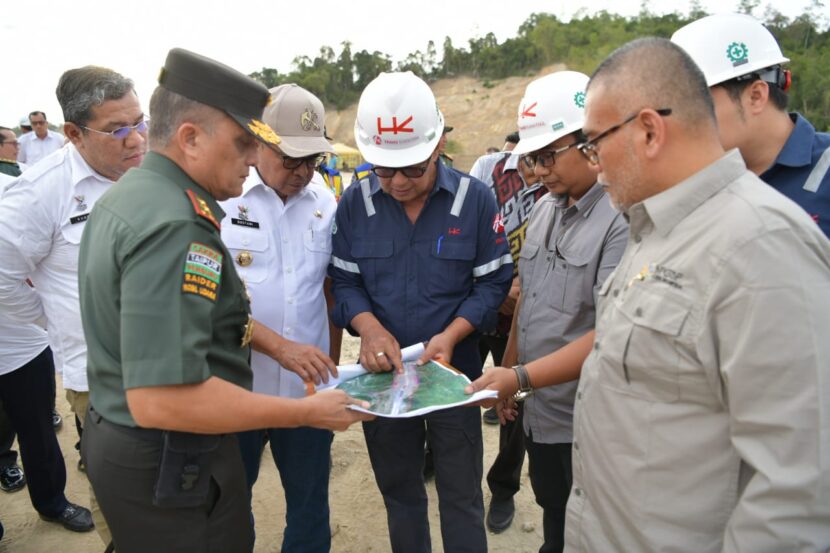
pixel 347 157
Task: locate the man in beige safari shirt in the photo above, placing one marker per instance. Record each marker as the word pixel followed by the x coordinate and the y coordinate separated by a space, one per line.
pixel 701 419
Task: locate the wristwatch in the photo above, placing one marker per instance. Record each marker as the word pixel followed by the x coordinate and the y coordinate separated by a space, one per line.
pixel 525 388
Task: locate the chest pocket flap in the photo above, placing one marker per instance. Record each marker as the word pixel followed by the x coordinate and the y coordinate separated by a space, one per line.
pixel 376 267
pixel 662 313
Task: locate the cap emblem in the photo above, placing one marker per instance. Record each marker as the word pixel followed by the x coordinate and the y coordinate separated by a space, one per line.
pixel 308 120
pixel 579 99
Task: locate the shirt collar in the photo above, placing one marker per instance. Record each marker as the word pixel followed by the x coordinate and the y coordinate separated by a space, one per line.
pixel 668 208
pixel 80 169
pixel 583 205
pixel 798 149
pixel 158 163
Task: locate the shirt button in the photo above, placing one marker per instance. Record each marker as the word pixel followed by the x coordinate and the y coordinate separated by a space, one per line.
pixel 288 330
pixel 579 395
pixel 638 238
pixel 289 270
pixel 616 293
pixel 534 294
pixel 638 312
pixel 596 345
pixel 245 241
pixel 578 492
pixel 291 300
pixel 576 445
pixel 285 239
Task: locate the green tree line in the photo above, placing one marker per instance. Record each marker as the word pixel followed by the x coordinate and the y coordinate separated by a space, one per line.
pixel 580 43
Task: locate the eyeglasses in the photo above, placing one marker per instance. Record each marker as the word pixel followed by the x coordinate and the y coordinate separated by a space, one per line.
pixel 123 132
pixel 37 123
pixel 546 158
pixel 589 148
pixel 14 143
pixel 410 171
pixel 291 163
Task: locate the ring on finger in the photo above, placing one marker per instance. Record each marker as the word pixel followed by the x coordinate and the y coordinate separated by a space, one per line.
pixel 380 354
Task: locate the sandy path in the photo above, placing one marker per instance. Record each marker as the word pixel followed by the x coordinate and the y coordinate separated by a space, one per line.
pixel 358 518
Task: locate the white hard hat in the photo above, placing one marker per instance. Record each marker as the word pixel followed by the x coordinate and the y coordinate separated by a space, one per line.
pixel 398 121
pixel 727 46
pixel 552 107
pixel 24 122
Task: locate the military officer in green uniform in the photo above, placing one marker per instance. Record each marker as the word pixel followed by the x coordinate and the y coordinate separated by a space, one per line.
pixel 167 322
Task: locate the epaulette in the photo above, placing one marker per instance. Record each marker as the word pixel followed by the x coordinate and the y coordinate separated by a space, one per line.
pixel 201 208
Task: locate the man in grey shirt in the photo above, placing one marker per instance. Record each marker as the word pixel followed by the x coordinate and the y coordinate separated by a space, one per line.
pixel 574 240
pixel 701 414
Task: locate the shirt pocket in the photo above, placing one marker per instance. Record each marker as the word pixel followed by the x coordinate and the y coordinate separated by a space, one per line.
pixel 651 355
pixel 451 270
pixel 249 246
pixel 572 286
pixel 317 245
pixel 527 254
pixel 374 258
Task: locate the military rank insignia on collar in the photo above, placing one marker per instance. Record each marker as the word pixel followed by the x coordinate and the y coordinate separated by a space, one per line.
pixel 202 209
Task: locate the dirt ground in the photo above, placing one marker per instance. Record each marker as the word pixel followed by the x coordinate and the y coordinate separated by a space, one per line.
pixel 358 518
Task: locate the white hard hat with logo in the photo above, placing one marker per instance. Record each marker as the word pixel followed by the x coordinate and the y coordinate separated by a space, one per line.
pixel 727 46
pixel 552 107
pixel 398 121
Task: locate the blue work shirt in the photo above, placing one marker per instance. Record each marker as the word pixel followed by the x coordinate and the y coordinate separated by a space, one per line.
pixel 800 171
pixel 417 278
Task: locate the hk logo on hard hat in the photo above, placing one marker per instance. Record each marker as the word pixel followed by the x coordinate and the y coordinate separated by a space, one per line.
pixel 527 111
pixel 738 53
pixel 579 99
pixel 396 128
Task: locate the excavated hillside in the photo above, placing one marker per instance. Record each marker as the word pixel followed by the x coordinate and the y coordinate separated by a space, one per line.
pixel 481 113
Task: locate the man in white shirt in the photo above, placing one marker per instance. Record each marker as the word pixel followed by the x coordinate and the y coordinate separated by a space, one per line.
pixel 26 376
pixel 36 145
pixel 279 233
pixel 42 216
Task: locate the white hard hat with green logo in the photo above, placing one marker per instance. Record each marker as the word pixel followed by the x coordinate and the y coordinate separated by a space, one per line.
pixel 728 46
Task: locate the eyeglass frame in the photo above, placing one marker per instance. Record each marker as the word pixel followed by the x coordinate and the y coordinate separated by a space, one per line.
pixel 415 171
pixel 551 154
pixel 297 162
pixel 589 147
pixel 127 129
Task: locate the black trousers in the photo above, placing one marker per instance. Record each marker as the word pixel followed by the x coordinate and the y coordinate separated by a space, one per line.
pixel 396 451
pixel 551 478
pixel 506 471
pixel 123 470
pixel 8 456
pixel 26 395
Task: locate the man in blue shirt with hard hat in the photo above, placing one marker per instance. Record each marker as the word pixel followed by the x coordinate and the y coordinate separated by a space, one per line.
pixel 742 63
pixel 419 255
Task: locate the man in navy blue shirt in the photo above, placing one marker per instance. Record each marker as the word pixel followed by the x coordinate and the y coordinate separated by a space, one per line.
pixel 742 64
pixel 419 255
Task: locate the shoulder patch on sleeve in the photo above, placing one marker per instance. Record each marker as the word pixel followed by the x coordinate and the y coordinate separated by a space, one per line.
pixel 202 271
pixel 201 208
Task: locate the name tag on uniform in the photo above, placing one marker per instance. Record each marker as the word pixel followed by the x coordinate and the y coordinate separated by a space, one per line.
pixel 244 223
pixel 78 219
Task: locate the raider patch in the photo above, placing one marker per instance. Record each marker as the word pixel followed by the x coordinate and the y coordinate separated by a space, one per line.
pixel 202 271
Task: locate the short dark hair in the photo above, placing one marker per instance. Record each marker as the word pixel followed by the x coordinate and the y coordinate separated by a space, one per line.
pixel 735 89
pixel 656 73
pixel 80 90
pixel 168 110
pixel 42 114
pixel 2 136
pixel 513 137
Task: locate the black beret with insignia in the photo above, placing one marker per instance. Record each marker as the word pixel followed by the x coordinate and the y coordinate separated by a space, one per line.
pixel 215 84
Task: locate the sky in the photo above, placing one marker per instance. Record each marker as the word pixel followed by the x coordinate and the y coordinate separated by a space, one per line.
pixel 41 38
